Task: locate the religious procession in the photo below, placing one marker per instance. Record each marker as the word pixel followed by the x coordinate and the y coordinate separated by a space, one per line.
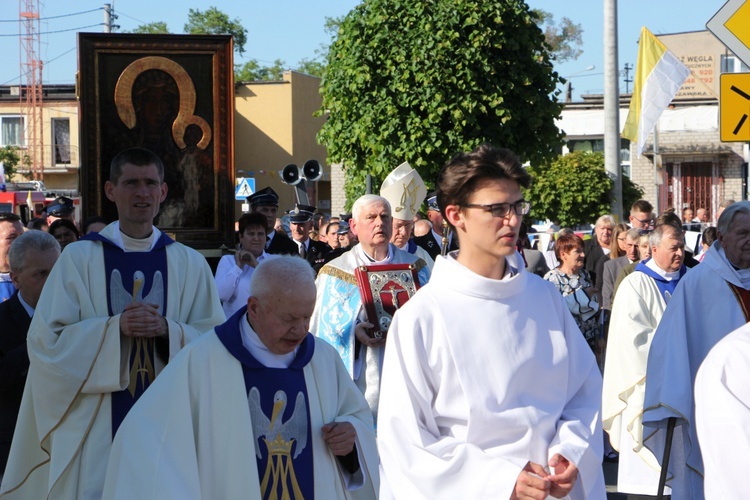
pixel 369 362
pixel 523 300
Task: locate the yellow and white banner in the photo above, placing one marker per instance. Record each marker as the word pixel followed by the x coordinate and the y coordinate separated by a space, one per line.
pixel 659 74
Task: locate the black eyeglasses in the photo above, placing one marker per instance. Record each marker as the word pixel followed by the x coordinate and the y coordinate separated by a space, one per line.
pixel 650 222
pixel 503 209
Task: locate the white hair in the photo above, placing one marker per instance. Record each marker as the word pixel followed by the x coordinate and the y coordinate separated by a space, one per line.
pixel 605 220
pixel 40 241
pixel 276 275
pixel 365 201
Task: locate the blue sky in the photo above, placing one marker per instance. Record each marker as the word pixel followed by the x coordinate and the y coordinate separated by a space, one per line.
pixel 293 29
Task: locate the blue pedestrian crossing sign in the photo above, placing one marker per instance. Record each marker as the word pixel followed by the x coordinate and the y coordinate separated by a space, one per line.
pixel 245 187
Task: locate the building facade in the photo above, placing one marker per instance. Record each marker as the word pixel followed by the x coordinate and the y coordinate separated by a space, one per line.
pixel 693 168
pixel 60 158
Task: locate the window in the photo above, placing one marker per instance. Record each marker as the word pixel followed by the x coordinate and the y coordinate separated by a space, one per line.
pixel 11 131
pixel 732 64
pixel 61 141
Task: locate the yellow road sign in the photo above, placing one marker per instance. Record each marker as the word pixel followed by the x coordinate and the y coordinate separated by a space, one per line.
pixel 731 25
pixel 734 109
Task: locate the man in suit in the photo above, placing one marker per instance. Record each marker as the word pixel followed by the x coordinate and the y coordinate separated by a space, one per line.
pixel 32 256
pixel 433 241
pixel 266 201
pixel 613 267
pixel 301 223
pixel 10 229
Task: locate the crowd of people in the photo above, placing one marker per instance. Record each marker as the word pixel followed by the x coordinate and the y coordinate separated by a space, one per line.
pixel 128 369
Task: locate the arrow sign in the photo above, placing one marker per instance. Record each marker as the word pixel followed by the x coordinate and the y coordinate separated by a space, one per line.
pixel 734 107
pixel 245 187
pixel 731 25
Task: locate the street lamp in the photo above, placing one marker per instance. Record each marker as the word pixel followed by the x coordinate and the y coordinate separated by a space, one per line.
pixel 569 86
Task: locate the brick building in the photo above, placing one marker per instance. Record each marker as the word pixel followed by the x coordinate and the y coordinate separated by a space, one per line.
pixel 695 169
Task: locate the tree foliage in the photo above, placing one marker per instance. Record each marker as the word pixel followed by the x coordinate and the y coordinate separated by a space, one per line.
pixel 155 28
pixel 10 160
pixel 419 81
pixel 575 189
pixel 253 71
pixel 565 38
pixel 212 21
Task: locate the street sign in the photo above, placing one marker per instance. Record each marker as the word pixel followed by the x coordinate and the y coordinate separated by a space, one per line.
pixel 731 25
pixel 245 187
pixel 734 107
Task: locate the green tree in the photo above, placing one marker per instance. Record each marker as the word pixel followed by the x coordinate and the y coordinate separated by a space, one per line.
pixel 565 38
pixel 419 81
pixel 215 22
pixel 252 71
pixel 317 65
pixel 575 189
pixel 158 27
pixel 10 159
pixel 313 67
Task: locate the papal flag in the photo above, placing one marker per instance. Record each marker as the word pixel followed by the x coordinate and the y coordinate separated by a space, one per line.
pixel 659 74
pixel 30 203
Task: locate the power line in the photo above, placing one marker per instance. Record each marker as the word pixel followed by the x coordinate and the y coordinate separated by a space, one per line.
pixel 45 62
pixel 63 31
pixel 54 17
pixel 121 13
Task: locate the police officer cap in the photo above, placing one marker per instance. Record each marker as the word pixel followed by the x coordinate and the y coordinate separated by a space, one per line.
pixel 343 228
pixel 301 213
pixel 265 196
pixel 62 205
pixel 432 203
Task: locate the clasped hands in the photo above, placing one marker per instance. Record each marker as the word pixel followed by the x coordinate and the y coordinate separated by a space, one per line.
pixel 140 319
pixel 536 483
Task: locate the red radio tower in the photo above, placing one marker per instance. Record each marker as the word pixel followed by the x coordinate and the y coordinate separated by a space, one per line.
pixel 31 86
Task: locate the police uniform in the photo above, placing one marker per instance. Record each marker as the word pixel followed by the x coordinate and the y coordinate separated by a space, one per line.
pixel 276 242
pixel 314 251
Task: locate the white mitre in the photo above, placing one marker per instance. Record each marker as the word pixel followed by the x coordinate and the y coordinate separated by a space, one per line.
pixel 404 189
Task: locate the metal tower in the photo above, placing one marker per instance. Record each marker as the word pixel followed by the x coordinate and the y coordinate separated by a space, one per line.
pixel 31 86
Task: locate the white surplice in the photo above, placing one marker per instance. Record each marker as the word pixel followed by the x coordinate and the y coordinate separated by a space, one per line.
pixel 635 315
pixel 78 358
pixel 722 416
pixel 701 312
pixel 480 377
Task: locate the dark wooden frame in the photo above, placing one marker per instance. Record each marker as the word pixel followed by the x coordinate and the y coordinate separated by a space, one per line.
pixel 202 61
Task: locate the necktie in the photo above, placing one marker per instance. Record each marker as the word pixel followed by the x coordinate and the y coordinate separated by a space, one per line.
pixel 302 250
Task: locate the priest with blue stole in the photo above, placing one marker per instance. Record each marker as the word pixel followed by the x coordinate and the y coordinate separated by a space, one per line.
pixel 257 408
pixel 114 310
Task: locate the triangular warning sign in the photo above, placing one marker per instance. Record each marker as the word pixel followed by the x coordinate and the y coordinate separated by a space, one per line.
pixel 244 189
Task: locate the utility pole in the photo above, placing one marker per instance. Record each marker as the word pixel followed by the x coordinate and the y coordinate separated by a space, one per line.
pixel 107 18
pixel 612 107
pixel 626 74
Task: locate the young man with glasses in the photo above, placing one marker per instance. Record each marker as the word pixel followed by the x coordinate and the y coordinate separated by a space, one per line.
pixel 488 388
pixel 641 215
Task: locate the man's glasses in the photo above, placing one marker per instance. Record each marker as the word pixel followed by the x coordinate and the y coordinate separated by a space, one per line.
pixel 649 222
pixel 503 209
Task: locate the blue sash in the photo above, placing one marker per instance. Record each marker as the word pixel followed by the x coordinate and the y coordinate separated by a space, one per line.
pixel 666 288
pixel 134 277
pixel 279 410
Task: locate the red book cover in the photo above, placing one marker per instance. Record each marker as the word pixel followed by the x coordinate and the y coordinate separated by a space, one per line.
pixel 384 289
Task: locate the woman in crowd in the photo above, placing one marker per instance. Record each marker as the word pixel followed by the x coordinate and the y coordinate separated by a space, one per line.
pixel 64 231
pixel 234 271
pixel 575 285
pixel 93 224
pixel 617 247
